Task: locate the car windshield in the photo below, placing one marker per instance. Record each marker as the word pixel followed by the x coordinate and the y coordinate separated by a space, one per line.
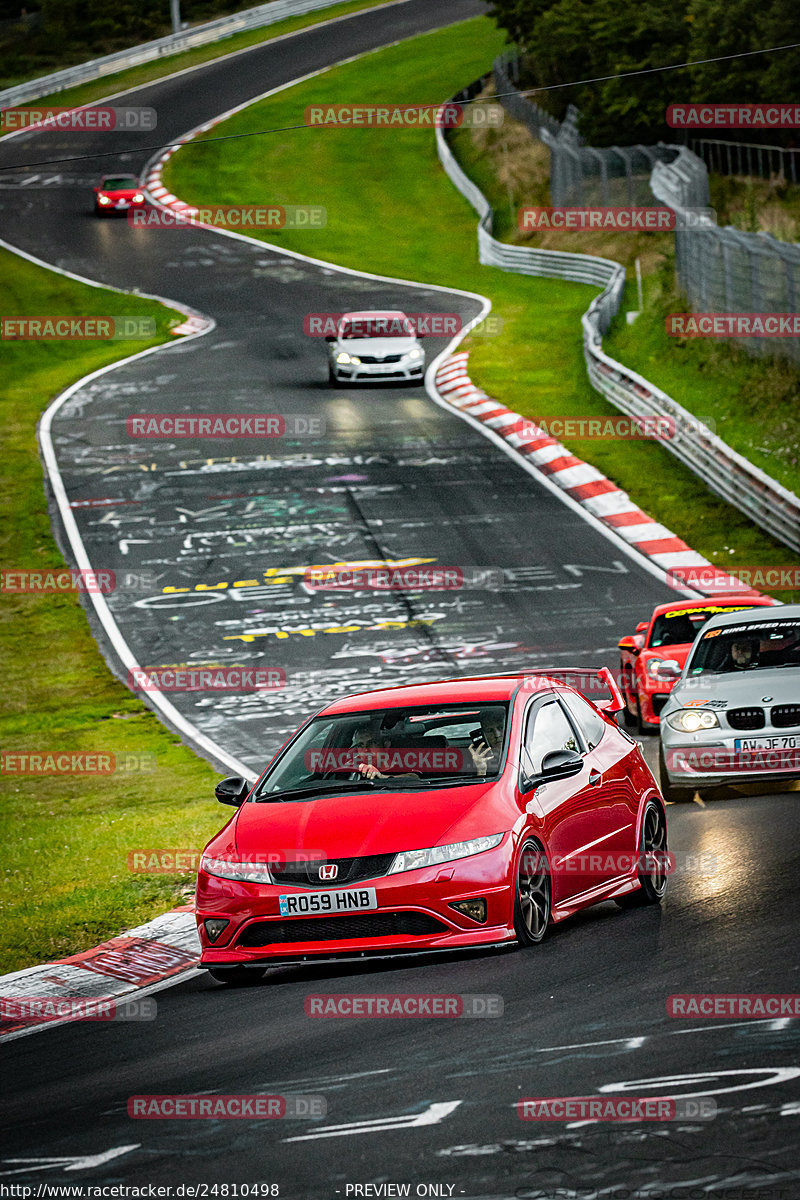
pixel 755 646
pixel 680 625
pixel 117 183
pixel 409 747
pixel 376 327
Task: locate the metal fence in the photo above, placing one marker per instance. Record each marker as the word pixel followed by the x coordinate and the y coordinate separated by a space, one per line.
pixel 747 158
pixel 723 270
pixel 174 43
pixel 725 472
pixel 580 174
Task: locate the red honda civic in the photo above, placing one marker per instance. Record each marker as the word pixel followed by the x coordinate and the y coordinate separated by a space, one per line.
pixel 431 817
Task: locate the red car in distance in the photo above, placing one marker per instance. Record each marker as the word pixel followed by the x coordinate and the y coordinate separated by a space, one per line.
pixel 439 816
pixel 653 657
pixel 118 193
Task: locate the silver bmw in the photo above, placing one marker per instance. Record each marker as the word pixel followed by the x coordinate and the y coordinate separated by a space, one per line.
pixel 734 714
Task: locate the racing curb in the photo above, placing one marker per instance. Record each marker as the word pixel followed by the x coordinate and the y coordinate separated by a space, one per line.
pixel 581 481
pixel 134 962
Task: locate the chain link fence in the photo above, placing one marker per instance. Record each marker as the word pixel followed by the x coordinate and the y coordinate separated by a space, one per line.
pixel 773 507
pixel 747 158
pixel 721 270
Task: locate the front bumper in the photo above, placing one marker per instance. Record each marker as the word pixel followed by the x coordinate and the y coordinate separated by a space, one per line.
pixel 374 372
pixel 711 757
pixel 416 903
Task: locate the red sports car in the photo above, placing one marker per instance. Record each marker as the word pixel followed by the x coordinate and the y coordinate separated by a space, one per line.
pixel 429 817
pixel 652 658
pixel 117 193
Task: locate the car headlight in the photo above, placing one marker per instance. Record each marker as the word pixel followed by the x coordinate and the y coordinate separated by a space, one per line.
pixel 655 668
pixel 412 860
pixel 344 357
pixel 417 352
pixel 103 200
pixel 225 868
pixel 689 720
pixel 138 198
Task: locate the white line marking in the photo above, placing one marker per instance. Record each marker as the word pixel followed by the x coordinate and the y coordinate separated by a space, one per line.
pixel 431 1116
pixel 74 1162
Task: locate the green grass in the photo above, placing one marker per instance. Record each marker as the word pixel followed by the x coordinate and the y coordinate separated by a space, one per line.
pixel 64 882
pixel 85 93
pixel 405 219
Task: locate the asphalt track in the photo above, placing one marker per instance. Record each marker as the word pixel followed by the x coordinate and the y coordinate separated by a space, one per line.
pixel 394 476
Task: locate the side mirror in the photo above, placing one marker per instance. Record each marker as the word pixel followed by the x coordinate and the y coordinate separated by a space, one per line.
pixel 629 643
pixel 232 790
pixel 642 626
pixel 330 337
pixel 669 669
pixel 558 764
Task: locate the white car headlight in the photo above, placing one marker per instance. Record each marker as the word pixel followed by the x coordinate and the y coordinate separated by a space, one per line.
pixel 225 868
pixel 416 352
pixel 138 198
pixel 103 200
pixel 412 860
pixel 689 720
pixel 343 357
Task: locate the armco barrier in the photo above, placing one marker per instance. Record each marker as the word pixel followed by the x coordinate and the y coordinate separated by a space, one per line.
pixel 174 43
pixel 771 506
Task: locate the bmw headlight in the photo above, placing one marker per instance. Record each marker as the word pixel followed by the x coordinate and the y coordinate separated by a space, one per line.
pixel 413 860
pixel 690 720
pixel 343 357
pixel 225 868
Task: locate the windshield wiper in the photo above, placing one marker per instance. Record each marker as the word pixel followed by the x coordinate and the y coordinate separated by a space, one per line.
pixel 313 789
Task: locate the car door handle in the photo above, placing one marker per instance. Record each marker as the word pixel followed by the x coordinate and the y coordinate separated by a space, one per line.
pixel 594 778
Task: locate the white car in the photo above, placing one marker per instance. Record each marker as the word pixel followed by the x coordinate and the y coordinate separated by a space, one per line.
pixel 369 346
pixel 734 714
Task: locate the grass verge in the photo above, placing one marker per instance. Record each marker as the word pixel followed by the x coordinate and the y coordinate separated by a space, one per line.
pixel 405 219
pixel 64 883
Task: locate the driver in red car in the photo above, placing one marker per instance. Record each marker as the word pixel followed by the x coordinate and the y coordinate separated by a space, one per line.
pixel 487 741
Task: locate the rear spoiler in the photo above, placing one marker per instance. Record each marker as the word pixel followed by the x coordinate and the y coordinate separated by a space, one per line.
pixel 589 682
